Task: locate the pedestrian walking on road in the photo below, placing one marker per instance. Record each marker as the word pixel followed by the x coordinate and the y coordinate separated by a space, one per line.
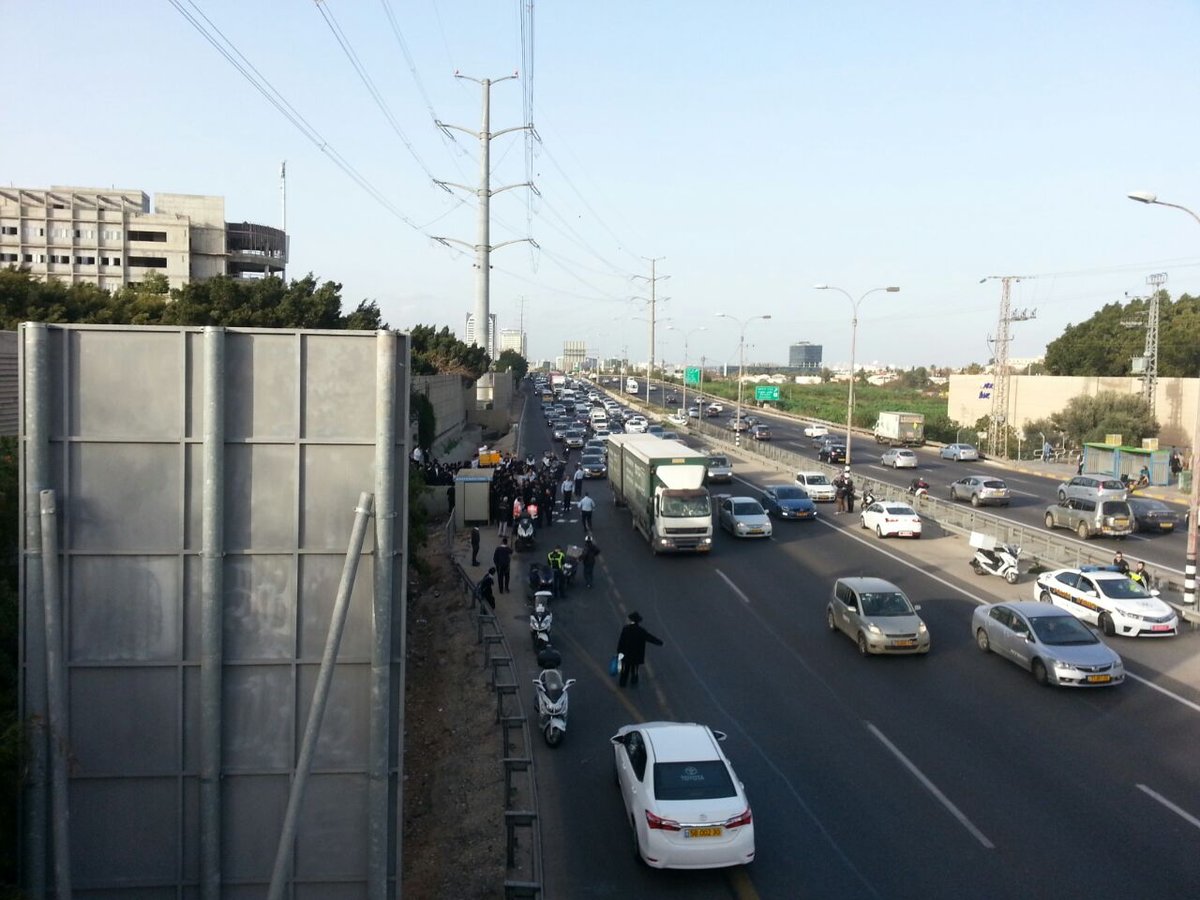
pixel 475 545
pixel 588 558
pixel 578 479
pixel 839 484
pixel 502 558
pixel 586 506
pixel 568 488
pixel 631 648
pixel 849 482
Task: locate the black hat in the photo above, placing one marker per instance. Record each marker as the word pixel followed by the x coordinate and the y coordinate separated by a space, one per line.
pixel 635 617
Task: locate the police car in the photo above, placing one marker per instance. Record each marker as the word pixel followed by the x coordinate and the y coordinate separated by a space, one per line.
pixel 1104 597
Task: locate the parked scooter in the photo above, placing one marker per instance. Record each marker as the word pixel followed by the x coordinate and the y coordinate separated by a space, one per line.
pixel 571 563
pixel 525 533
pixel 541 620
pixel 551 695
pixel 919 487
pixel 997 559
pixel 868 497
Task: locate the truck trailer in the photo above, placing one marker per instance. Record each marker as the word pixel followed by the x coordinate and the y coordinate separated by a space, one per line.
pixel 903 428
pixel 662 484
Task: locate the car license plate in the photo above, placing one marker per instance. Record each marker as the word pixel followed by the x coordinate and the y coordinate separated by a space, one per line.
pixel 1161 628
pixel 1099 679
pixel 905 533
pixel 1167 526
pixel 754 531
pixel 904 643
pixel 713 831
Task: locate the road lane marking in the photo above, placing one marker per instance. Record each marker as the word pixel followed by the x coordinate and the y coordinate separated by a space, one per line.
pixel 1164 691
pixel 733 587
pixel 1190 819
pixel 932 788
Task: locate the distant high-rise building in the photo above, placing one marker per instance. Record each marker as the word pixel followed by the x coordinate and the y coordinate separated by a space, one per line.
pixel 513 339
pixel 805 356
pixel 490 344
pixel 574 353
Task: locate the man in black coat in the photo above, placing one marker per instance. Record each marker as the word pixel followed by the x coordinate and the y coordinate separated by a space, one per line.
pixel 502 559
pixel 485 588
pixel 632 647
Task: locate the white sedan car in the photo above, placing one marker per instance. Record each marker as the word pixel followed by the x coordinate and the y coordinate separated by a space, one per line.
pixel 744 517
pixel 1108 599
pixel 812 430
pixel 890 517
pixel 817 486
pixel 636 425
pixel 960 452
pixel 685 804
pixel 899 458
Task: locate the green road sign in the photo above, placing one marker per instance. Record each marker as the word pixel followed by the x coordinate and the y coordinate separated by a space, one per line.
pixel 691 375
pixel 766 392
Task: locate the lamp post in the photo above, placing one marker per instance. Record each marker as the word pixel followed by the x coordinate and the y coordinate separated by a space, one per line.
pixel 686 336
pixel 1189 565
pixel 742 323
pixel 853 340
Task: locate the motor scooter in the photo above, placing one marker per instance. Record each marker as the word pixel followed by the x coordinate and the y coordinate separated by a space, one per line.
pixel 994 558
pixel 525 533
pixel 868 497
pixel 541 620
pixel 540 580
pixel 551 696
pixel 919 487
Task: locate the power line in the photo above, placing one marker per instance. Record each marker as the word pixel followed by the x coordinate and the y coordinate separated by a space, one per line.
pixel 289 112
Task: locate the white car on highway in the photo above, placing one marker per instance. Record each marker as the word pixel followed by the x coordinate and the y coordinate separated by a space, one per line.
pixel 744 517
pixel 888 518
pixel 685 804
pixel 899 458
pixel 812 430
pixel 818 486
pixel 1108 599
pixel 636 425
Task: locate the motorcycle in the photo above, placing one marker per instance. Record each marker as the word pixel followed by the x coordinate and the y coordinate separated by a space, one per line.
pixel 551 696
pixel 868 497
pixel 541 580
pixel 992 558
pixel 541 620
pixel 919 487
pixel 524 533
pixel 571 563
pixel 1143 480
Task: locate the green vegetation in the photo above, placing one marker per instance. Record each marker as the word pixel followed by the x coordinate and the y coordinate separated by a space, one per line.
pixel 1104 345
pixel 511 360
pixel 1089 419
pixel 828 403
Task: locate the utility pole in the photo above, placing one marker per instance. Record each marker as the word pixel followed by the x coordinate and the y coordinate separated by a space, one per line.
pixel 653 279
pixel 999 418
pixel 1149 361
pixel 483 247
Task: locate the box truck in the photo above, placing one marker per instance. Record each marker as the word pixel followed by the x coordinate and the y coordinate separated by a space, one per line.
pixel 662 484
pixel 903 428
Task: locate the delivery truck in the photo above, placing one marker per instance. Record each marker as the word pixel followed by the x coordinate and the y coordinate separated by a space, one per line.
pixel 631 385
pixel 662 484
pixel 905 429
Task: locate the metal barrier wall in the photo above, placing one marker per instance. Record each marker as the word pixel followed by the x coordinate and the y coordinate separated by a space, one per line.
pixel 184 595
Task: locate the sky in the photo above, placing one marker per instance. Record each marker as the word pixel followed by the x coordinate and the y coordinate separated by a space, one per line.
pixel 755 150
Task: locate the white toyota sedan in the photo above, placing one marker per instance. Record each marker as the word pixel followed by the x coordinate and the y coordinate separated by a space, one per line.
pixel 744 517
pixel 889 518
pixel 1108 599
pixel 685 804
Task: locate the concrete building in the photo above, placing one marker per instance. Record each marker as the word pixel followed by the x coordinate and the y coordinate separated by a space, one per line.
pixel 490 344
pixel 111 238
pixel 805 356
pixel 513 339
pixel 574 354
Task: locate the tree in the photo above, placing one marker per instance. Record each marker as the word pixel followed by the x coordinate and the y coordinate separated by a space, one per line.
pixel 440 352
pixel 1091 418
pixel 511 360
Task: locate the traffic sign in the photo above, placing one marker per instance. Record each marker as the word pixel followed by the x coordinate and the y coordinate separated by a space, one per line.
pixel 691 375
pixel 766 392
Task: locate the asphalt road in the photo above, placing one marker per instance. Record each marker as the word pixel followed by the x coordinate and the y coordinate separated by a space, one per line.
pixel 946 776
pixel 1031 493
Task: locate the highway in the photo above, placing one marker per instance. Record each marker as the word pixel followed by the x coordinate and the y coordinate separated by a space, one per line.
pixel 947 776
pixel 1031 493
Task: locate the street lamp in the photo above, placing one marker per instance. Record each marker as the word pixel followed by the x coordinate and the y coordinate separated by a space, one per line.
pixel 742 323
pixel 686 335
pixel 853 339
pixel 1189 565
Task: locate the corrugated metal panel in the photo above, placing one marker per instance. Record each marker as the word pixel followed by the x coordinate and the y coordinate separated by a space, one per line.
pixel 9 384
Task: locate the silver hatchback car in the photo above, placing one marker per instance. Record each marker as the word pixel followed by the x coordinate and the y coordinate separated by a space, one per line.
pixel 1092 487
pixel 877 616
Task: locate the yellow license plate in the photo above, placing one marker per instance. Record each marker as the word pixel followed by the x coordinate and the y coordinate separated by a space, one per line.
pixel 1167 526
pixel 904 643
pixel 714 831
pixel 1099 679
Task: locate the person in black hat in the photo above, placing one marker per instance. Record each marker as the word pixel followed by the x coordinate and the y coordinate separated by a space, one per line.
pixel 631 647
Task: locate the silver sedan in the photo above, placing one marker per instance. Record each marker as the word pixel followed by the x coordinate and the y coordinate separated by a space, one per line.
pixel 1048 642
pixel 960 452
pixel 899 458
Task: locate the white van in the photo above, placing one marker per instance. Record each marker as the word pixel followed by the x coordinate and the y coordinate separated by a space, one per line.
pixel 598 417
pixel 631 385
